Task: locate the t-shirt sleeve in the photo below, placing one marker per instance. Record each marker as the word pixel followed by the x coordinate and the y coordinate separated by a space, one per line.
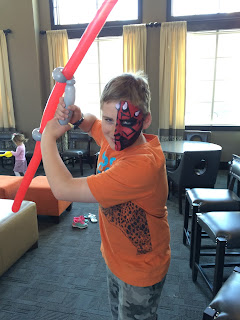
pixel 96 132
pixel 127 180
pixel 17 152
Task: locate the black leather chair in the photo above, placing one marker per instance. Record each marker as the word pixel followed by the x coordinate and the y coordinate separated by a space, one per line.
pixel 223 228
pixel 226 304
pixel 79 148
pixel 197 169
pixel 172 160
pixel 197 135
pixel 229 176
pixel 6 144
pixel 96 155
pixel 205 200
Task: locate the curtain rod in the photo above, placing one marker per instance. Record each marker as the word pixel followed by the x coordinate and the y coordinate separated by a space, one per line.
pixel 7 31
pixel 153 24
pixel 79 29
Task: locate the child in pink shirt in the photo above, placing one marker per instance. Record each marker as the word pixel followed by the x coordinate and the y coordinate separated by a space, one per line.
pixel 20 159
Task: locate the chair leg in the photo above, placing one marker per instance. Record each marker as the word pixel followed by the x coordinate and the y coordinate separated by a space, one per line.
pixel 228 179
pixel 219 264
pixel 81 165
pixel 2 161
pixel 209 314
pixel 89 162
pixel 180 190
pixel 196 251
pixel 169 188
pixel 193 226
pixel 185 224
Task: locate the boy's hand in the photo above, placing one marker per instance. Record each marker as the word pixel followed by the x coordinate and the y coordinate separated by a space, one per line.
pixel 62 113
pixel 55 129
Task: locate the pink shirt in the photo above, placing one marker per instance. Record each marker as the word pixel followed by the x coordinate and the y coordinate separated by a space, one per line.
pixel 19 154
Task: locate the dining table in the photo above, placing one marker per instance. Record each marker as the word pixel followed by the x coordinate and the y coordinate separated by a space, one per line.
pixel 179 147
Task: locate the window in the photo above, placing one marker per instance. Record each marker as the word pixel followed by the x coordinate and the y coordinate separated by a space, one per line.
pixel 212 84
pixel 82 11
pixel 104 58
pixel 190 7
pixel 212 60
pixel 76 14
pixel 102 62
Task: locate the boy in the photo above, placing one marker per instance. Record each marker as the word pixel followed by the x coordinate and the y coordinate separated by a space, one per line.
pixel 131 189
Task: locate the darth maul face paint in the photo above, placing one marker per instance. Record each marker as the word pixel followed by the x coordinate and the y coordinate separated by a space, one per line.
pixel 129 125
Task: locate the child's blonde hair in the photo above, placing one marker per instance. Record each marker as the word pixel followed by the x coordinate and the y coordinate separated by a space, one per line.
pixel 19 137
pixel 131 87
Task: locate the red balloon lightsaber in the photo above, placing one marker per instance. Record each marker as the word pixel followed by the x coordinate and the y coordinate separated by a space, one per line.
pixel 85 42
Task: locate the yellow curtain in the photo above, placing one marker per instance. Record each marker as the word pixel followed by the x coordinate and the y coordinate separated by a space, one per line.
pixel 172 80
pixel 58 57
pixel 57 50
pixel 134 47
pixel 7 119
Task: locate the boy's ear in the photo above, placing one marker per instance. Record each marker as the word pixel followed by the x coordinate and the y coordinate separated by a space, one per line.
pixel 147 121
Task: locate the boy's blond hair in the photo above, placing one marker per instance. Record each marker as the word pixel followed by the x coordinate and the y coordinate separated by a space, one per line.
pixel 131 87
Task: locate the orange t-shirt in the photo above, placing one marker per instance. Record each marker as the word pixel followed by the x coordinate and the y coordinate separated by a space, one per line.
pixel 131 189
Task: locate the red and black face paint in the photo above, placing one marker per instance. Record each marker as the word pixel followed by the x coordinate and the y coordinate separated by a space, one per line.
pixel 129 125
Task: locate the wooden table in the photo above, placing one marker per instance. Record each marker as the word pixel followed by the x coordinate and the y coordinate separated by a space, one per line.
pixel 179 147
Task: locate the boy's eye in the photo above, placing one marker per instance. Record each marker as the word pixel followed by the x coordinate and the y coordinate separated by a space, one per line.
pixel 108 120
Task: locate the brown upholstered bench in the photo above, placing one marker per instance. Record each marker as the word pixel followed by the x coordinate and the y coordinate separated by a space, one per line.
pixel 18 232
pixel 40 192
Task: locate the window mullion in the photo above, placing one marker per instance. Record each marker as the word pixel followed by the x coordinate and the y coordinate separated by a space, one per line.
pixel 214 77
pixel 99 67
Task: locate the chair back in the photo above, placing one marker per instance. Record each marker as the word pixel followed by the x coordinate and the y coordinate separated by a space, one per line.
pixel 79 140
pixel 197 135
pixel 6 141
pixel 234 173
pixel 198 169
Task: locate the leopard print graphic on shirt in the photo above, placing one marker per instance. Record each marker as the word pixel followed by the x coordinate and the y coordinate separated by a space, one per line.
pixel 132 221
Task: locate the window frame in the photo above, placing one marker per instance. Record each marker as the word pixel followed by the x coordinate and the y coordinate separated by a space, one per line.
pixel 99 78
pixel 111 28
pixel 206 22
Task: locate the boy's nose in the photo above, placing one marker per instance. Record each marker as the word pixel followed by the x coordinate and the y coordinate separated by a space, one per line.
pixel 113 129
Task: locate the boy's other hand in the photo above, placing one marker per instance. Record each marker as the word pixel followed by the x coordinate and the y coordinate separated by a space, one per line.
pixel 55 129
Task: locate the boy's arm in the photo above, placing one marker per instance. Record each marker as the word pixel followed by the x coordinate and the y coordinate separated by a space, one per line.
pixel 63 185
pixel 88 122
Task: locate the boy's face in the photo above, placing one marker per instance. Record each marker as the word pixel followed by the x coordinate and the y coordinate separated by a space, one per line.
pixel 122 124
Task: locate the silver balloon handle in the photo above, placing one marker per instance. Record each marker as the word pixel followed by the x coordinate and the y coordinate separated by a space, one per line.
pixel 69 94
pixel 69 99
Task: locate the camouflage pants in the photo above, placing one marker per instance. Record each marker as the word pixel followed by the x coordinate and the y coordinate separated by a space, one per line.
pixel 130 302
